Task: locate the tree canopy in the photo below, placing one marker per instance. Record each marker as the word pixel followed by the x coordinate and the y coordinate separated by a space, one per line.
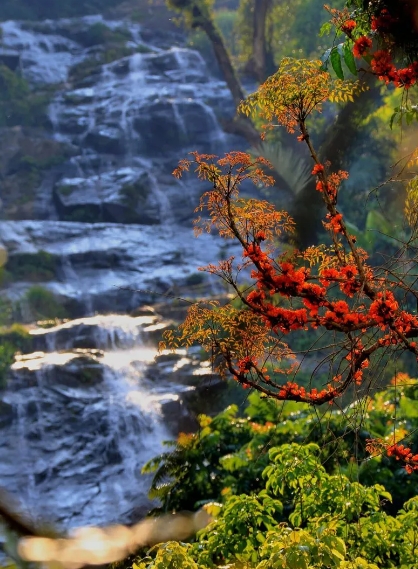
pixel 365 312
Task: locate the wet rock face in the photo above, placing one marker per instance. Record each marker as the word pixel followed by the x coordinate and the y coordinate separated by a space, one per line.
pixel 112 111
pixel 7 414
pixel 108 230
pixel 77 424
pixel 45 57
pixel 26 155
pixel 79 370
pixel 109 158
pixel 120 196
pixel 183 123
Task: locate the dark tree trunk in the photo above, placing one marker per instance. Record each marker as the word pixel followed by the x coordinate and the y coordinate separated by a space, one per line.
pixel 240 125
pixel 257 65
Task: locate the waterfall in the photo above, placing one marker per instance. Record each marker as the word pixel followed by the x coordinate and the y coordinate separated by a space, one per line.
pixel 79 439
pixel 90 404
pixel 46 58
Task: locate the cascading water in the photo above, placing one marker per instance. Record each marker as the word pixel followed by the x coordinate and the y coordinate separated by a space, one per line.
pixel 85 422
pixel 88 408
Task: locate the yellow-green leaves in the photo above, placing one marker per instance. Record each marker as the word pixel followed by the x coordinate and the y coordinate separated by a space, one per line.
pixel 411 202
pixel 298 88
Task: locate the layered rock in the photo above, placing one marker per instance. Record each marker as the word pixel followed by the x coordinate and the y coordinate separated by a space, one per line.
pixel 77 425
pixel 112 232
pixel 121 196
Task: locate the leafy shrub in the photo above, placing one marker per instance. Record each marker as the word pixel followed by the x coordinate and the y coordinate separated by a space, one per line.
pixel 92 64
pixel 17 336
pixel 229 453
pixel 43 305
pixel 18 104
pixel 7 352
pixel 36 267
pixel 195 279
pixel 332 522
pixel 6 307
pixel 12 339
pixel 99 34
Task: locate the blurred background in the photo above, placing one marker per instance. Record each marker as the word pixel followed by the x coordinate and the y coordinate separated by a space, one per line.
pixel 99 99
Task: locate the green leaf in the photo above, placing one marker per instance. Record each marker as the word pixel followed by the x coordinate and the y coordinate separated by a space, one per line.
pixel 232 462
pixel 349 59
pixel 336 63
pixel 296 561
pixel 392 118
pixel 378 222
pixel 325 60
pixel 325 29
pixel 386 495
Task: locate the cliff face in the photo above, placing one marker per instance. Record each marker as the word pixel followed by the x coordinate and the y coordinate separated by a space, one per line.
pixel 117 113
pixel 94 115
pixel 42 9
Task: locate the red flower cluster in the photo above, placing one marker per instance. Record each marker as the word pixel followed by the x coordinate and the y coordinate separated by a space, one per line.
pixel 318 168
pixel 383 310
pixel 292 390
pixel 285 320
pixel 384 22
pixel 383 67
pixel 400 452
pixel 405 322
pixel 334 223
pixel 313 297
pixel 358 377
pixel 245 365
pixel 330 187
pixel 339 312
pixel 348 26
pixel 350 285
pixel 361 46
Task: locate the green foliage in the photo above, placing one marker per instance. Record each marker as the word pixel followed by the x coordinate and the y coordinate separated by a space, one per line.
pixel 99 34
pixel 170 555
pixel 92 64
pixel 293 549
pixel 333 522
pixel 32 267
pixel 43 305
pixel 341 58
pixel 18 104
pixel 291 167
pixel 295 470
pixel 7 352
pixel 187 475
pixel 292 28
pixel 229 454
pixel 249 517
pixel 12 339
pixel 378 232
pixel 134 195
pixel 17 336
pixel 195 279
pixel 6 306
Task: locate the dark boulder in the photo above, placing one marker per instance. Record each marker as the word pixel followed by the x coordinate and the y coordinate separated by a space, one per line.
pixel 119 196
pixel 106 140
